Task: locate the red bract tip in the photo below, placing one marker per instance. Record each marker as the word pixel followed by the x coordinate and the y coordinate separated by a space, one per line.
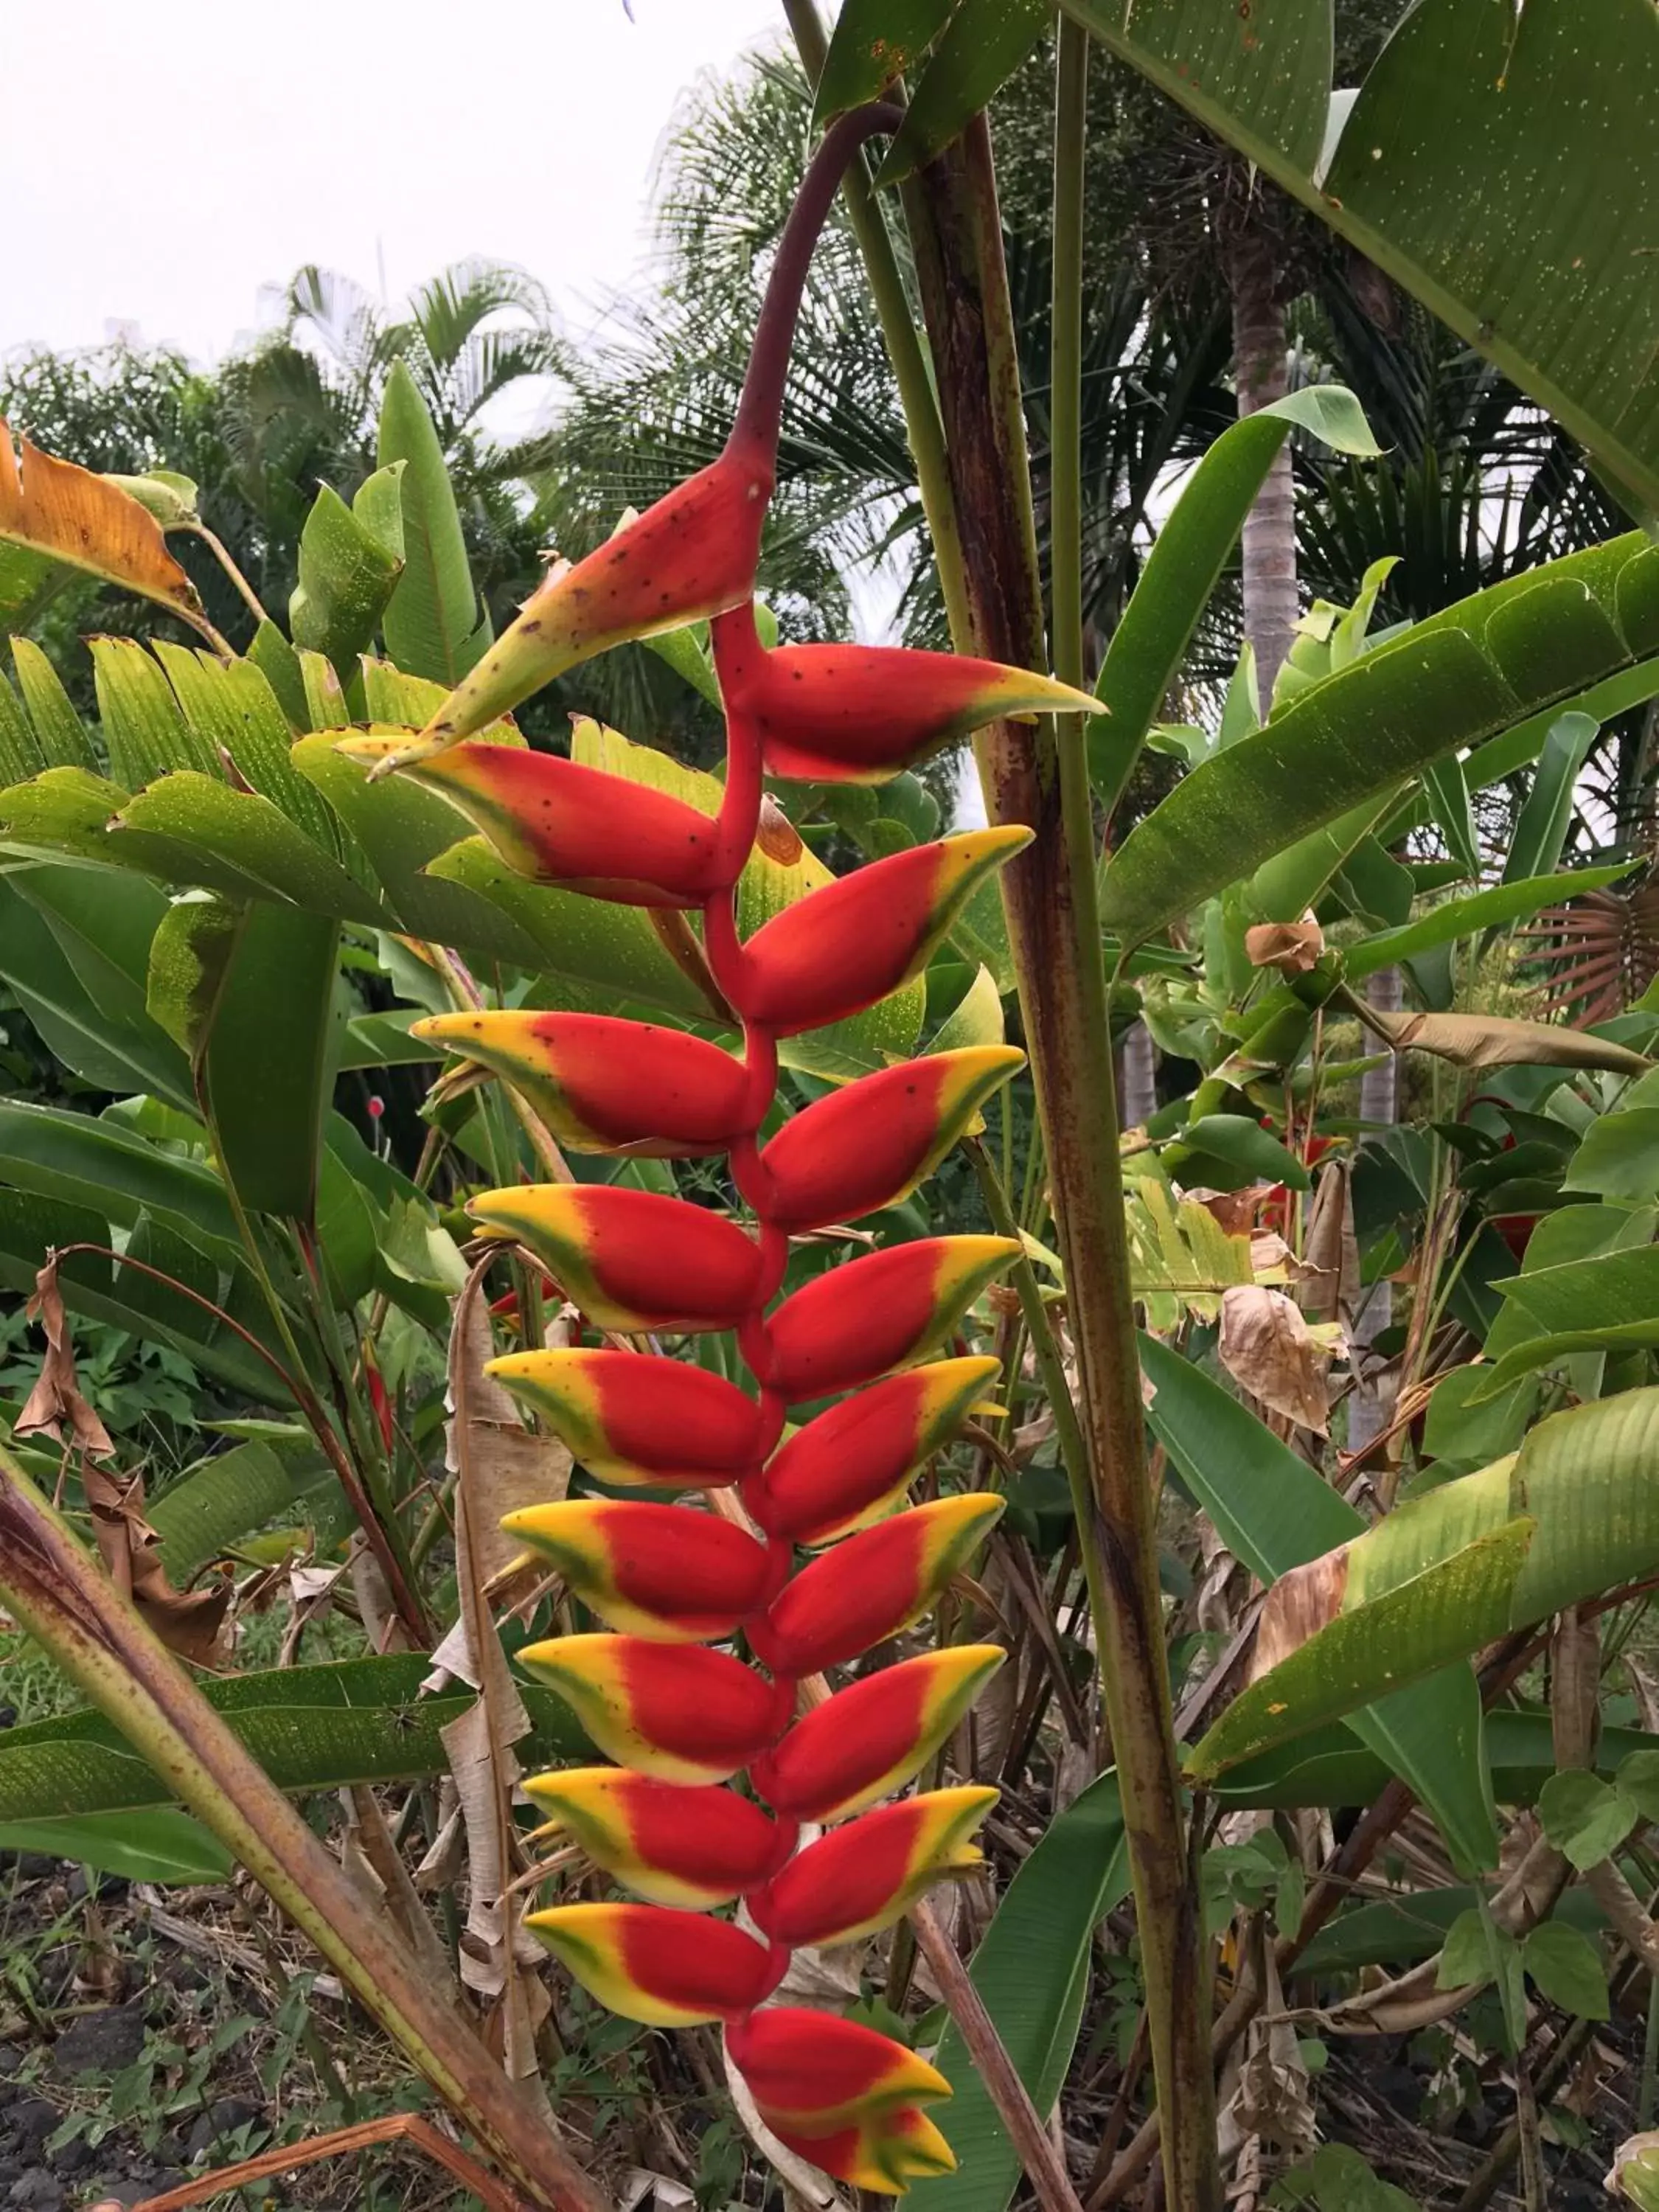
pixel 882 1311
pixel 637 1418
pixel 663 1572
pixel 861 1877
pixel 874 1585
pixel 689 556
pixel 674 1843
pixel 859 713
pixel 849 944
pixel 845 2098
pixel 606 1085
pixel 677 1712
pixel 869 1145
pixel 560 823
pixel 650 1963
pixel 855 1460
pixel 630 1260
pixel 868 1740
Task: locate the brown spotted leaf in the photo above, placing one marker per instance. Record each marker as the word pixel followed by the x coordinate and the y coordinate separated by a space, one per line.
pixel 56 515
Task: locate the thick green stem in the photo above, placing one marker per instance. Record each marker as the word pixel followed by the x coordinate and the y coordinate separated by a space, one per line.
pixel 1054 926
pixel 58 1596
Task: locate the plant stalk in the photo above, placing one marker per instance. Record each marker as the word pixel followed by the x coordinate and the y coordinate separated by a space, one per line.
pixel 58 1596
pixel 1053 927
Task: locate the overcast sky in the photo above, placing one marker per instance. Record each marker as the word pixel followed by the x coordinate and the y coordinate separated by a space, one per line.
pixel 163 163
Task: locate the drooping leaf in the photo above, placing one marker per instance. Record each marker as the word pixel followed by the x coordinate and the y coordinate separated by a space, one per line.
pixel 984 43
pixel 1494 1040
pixel 1574 1512
pixel 1513 900
pixel 1275 1513
pixel 160 1843
pixel 54 515
pixel 873 42
pixel 1460 170
pixel 1476 669
pixel 310 1728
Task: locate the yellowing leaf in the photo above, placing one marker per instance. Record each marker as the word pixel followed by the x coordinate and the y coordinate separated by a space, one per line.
pixel 62 515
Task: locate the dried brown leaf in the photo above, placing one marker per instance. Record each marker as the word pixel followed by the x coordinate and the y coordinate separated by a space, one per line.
pixel 1490 1041
pixel 1330 1287
pixel 189 1622
pixel 1267 1347
pixel 68 514
pixel 57 1397
pixel 1293 947
pixel 1299 1604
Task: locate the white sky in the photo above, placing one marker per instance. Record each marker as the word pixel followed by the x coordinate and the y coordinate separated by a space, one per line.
pixel 164 163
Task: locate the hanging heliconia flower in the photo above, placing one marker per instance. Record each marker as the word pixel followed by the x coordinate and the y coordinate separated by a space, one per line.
pixel 680 1718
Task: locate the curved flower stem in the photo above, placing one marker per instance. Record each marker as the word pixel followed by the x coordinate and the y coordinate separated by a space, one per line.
pixel 760 409
pixel 911 372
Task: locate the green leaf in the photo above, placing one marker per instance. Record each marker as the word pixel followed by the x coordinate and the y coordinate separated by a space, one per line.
pixel 1185 564
pixel 159 1845
pixel 20 756
pixel 144 728
pixel 1585 1817
pixel 1513 900
pixel 217 1503
pixel 1466 1957
pixel 1638 1779
pixel 1448 804
pixel 984 43
pixel 1032 1971
pixel 1242 1145
pixel 69 937
pixel 350 560
pixel 685 652
pixel 270 1057
pixel 873 42
pixel 1541 830
pixel 63 738
pixel 1461 171
pixel 310 1728
pixel 1274 1513
pixel 1567 1969
pixel 1619 1156
pixel 434 625
pixel 1462 676
pixel 240 844
pixel 97 1164
pixel 278 663
pixel 232 706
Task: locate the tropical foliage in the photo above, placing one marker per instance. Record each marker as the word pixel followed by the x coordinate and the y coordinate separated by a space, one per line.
pixel 564 1203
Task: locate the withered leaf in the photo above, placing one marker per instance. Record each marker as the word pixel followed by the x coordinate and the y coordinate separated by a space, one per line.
pixel 57 1397
pixel 1267 1345
pixel 1293 947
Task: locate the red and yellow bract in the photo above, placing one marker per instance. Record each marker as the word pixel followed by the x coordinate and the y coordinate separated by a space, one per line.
pixel 679 1718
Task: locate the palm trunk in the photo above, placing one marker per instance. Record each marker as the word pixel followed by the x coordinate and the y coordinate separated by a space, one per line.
pixel 1261 373
pixel 1137 1080
pixel 1371 1405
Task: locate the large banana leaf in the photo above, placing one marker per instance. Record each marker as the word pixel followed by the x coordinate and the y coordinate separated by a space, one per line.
pixel 1484 665
pixel 1276 1514
pixel 1497 162
pixel 1574 1512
